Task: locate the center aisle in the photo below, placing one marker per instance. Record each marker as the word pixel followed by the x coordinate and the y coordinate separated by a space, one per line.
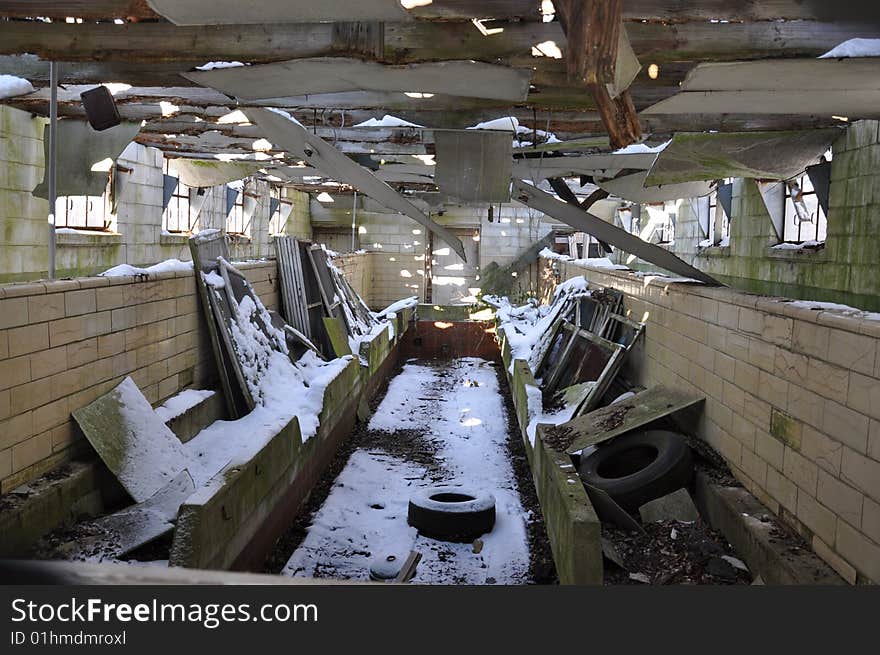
pixel 439 423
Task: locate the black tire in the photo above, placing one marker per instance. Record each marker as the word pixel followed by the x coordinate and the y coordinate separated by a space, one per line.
pixel 451 513
pixel 639 467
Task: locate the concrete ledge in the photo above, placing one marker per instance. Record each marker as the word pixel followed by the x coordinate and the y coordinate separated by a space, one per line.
pixel 572 525
pixel 87 488
pixel 236 524
pixel 198 417
pixel 737 514
pixel 519 381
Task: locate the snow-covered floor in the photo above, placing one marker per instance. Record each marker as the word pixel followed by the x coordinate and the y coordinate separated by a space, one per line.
pixel 458 407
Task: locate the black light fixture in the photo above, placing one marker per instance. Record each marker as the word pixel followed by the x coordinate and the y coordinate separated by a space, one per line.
pixel 100 108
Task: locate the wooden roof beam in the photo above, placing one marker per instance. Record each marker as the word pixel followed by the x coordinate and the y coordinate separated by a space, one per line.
pixel 657 10
pixel 149 43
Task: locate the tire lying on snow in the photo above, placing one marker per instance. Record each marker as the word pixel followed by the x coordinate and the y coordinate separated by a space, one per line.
pixel 639 467
pixel 451 513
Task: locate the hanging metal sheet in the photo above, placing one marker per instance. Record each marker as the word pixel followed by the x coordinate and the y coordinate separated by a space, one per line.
pixel 725 198
pixel 282 130
pixel 169 186
pixel 605 165
pixel 80 148
pixel 586 222
pixel 210 172
pixel 760 155
pixel 229 12
pixel 341 74
pixel 820 177
pixel 632 188
pixel 473 165
pixel 829 87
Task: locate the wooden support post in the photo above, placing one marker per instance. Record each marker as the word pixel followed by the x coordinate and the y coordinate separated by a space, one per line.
pixel 592 31
pixel 618 116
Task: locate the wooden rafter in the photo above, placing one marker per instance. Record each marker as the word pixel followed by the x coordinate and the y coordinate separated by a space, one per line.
pixel 658 10
pixel 413 42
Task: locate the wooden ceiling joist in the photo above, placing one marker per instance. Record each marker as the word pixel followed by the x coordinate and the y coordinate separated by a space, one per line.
pixel 412 42
pixel 659 10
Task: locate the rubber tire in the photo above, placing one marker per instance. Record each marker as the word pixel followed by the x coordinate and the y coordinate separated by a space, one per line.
pixel 670 470
pixel 451 521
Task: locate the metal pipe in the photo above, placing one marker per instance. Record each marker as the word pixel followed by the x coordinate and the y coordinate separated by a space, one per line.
pixel 354 216
pixel 51 164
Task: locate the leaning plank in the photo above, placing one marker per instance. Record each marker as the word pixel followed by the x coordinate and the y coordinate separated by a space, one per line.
pixel 617 419
pixel 118 534
pixel 340 74
pixel 206 247
pixel 134 443
pixel 285 132
pixel 533 197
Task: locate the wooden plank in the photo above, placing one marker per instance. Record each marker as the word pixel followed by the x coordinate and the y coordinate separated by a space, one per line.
pixel 412 42
pixel 205 250
pixel 611 421
pixel 666 10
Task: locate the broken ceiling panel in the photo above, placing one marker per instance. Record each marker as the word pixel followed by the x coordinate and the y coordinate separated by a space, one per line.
pixel 230 12
pixel 340 74
pixel 632 188
pixel 474 165
pixel 761 155
pixel 823 75
pixel 586 222
pixel 840 87
pixel 281 129
pixel 82 157
pixel 850 104
pixel 209 172
pixel 132 440
pixel 549 167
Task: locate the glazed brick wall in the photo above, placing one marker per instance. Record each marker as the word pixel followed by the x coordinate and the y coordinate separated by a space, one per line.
pixel 792 402
pixel 64 343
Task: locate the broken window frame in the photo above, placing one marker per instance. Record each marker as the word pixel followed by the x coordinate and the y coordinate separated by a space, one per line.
pixel 235 218
pixel 792 228
pixel 96 215
pixel 174 209
pixel 552 383
pixel 275 226
pixel 709 215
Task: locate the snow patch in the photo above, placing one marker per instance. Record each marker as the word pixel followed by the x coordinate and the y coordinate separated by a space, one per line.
pixel 854 48
pixel 506 124
pixel 179 404
pixel 805 245
pixel 11 86
pixel 216 65
pixel 167 266
pixel 387 121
